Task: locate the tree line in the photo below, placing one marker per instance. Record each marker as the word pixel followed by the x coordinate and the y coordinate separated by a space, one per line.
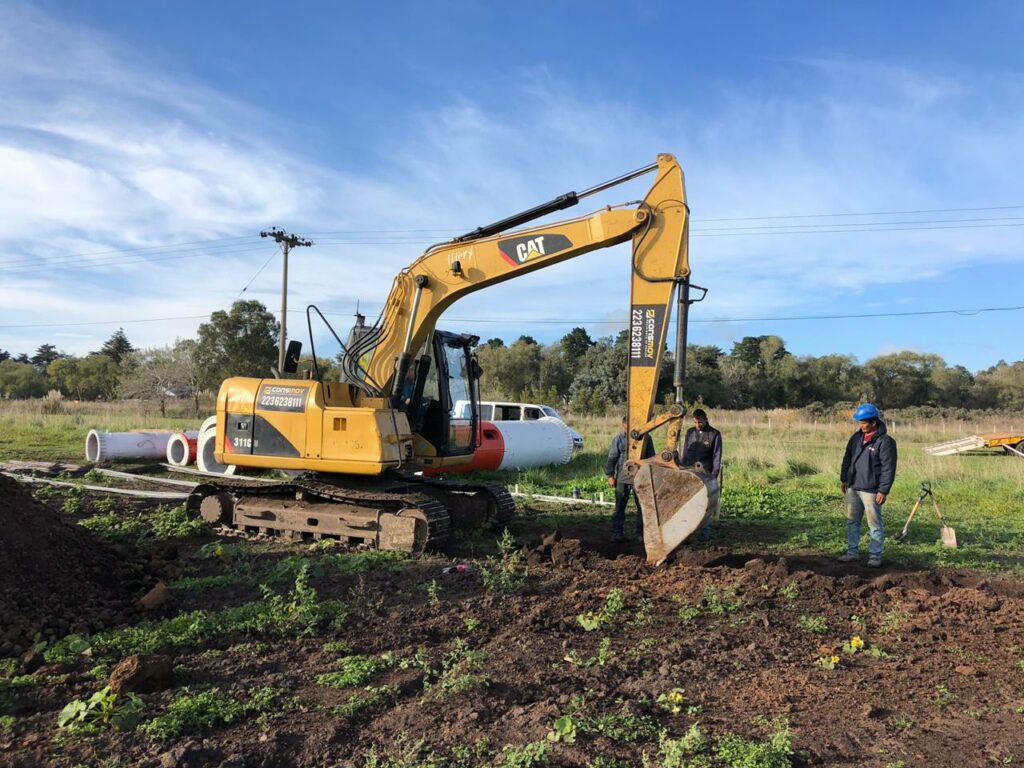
pixel 241 341
pixel 586 375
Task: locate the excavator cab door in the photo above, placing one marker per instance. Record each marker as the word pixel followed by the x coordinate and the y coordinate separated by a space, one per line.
pixel 447 410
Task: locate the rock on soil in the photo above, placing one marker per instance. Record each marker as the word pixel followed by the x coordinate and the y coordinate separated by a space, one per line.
pixel 143 673
pixel 56 577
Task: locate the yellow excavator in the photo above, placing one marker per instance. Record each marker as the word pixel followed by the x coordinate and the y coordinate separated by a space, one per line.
pixel 400 405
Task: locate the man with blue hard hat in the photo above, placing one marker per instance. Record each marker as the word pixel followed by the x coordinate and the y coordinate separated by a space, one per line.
pixel 867 475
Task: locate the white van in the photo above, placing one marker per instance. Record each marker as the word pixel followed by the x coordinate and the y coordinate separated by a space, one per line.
pixel 494 410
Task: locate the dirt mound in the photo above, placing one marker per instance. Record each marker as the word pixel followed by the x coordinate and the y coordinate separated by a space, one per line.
pixel 56 577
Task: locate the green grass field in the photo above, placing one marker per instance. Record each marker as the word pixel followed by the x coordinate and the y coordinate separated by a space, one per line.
pixel 780 487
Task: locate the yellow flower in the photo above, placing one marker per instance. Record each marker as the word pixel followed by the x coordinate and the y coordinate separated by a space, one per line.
pixel 676 696
pixel 835 659
pixel 856 643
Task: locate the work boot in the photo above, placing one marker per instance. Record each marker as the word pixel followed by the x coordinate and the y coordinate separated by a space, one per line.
pixel 874 562
pixel 848 557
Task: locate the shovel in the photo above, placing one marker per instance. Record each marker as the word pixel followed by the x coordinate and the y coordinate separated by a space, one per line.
pixel 948 534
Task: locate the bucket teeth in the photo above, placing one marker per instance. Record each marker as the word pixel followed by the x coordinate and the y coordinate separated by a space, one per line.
pixel 674 503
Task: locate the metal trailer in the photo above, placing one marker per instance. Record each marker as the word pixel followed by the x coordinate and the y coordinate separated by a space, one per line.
pixel 1011 443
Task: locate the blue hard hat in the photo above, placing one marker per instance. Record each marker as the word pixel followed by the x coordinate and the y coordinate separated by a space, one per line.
pixel 865 412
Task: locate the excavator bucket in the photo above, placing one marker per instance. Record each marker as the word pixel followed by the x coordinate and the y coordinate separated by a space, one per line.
pixel 674 502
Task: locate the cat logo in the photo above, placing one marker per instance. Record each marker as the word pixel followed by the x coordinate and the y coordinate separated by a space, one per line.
pixel 519 250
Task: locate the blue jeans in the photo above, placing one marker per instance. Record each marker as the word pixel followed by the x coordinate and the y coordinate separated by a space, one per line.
pixel 857 503
pixel 622 493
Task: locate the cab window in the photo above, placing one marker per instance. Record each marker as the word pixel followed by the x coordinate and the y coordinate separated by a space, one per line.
pixel 532 414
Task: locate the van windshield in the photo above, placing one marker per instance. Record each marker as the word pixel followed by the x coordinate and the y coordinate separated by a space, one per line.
pixel 549 411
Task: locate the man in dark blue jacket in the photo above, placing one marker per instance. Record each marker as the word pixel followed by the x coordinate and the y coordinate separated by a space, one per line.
pixel 867 475
pixel 615 471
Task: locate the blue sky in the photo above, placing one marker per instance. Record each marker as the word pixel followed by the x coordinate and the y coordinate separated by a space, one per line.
pixel 144 145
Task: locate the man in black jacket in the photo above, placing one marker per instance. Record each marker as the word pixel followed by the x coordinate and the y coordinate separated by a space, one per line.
pixel 866 477
pixel 615 471
pixel 703 445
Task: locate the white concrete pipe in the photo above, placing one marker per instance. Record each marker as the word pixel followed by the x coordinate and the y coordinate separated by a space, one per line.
pixel 205 445
pixel 181 448
pixel 517 445
pixel 104 446
pixel 538 443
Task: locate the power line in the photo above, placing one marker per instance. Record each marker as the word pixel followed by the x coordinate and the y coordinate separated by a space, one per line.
pixel 227 244
pixel 34 263
pixel 871 213
pixel 968 312
pixel 193 245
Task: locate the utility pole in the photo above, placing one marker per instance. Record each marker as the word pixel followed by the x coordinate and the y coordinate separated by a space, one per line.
pixel 287 242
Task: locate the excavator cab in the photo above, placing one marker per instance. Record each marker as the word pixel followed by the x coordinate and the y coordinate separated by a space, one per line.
pixel 441 394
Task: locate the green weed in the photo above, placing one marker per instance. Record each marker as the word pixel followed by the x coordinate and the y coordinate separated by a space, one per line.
pixel 790 590
pixel 248 649
pixel 605 655
pixel 814 625
pixel 337 646
pixel 672 702
pixel 470 623
pixel 685 752
pixel 644 615
pixel 943 696
pixel 112 526
pixel 355 670
pixel 203 583
pixel 689 613
pixel 721 600
pixel 563 729
pixel 370 697
pixel 893 621
pixel 877 653
pixel 74 501
pixel 506 572
pixel 902 723
pixel 104 708
pixel 459 672
pixel 738 752
pixel 627 728
pixel 7 722
pixel 479 754
pixel 190 711
pixel 173 522
pixel 434 594
pixel 300 613
pixel 613 605
pixel 525 756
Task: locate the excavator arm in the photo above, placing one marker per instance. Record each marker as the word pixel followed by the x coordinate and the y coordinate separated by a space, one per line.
pixel 674 501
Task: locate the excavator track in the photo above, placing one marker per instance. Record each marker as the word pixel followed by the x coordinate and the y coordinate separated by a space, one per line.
pixel 404 512
pixel 471 504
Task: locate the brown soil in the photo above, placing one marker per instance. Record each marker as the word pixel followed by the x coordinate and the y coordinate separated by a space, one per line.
pixel 950 694
pixel 55 577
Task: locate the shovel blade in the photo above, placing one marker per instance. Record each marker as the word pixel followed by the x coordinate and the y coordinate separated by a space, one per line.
pixel 949 537
pixel 674 503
